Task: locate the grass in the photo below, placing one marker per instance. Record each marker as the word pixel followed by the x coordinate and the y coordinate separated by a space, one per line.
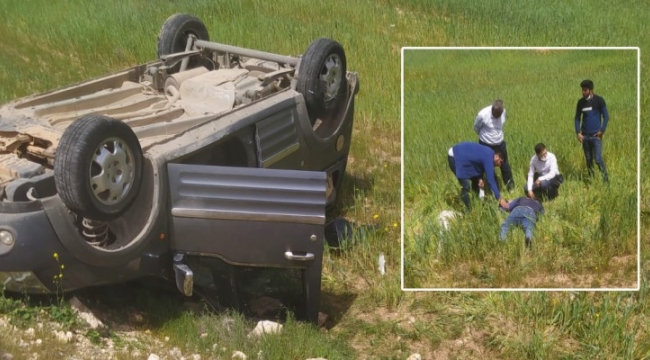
pixel 588 237
pixel 47 45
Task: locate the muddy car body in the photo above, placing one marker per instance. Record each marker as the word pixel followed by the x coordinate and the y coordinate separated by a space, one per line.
pixel 204 167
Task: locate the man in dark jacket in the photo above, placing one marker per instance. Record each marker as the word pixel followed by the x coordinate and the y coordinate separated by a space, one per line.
pixel 593 111
pixel 469 162
pixel 523 211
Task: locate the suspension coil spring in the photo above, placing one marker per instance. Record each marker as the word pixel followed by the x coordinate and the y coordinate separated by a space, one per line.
pixel 95 232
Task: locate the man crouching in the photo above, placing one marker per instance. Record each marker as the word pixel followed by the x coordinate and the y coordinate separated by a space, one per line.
pixel 470 162
pixel 544 177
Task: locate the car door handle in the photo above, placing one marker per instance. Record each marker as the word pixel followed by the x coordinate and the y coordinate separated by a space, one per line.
pixel 299 257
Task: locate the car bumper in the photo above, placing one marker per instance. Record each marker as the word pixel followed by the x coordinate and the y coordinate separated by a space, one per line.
pixel 45 252
pixel 29 251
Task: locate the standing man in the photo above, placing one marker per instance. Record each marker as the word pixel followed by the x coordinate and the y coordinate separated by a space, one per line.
pixel 594 123
pixel 469 162
pixel 544 177
pixel 489 127
pixel 524 212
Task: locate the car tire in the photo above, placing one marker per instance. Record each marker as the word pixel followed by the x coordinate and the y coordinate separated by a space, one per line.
pixel 322 77
pixel 98 167
pixel 172 37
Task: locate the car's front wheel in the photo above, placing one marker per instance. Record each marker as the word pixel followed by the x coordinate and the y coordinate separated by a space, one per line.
pixel 98 167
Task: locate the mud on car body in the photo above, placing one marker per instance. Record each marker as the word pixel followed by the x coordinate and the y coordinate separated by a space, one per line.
pixel 207 167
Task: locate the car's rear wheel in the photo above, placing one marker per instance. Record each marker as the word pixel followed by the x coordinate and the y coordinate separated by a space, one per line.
pixel 98 167
pixel 174 34
pixel 322 82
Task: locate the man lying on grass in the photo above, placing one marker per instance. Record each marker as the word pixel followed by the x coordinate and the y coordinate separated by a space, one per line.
pixel 469 162
pixel 523 212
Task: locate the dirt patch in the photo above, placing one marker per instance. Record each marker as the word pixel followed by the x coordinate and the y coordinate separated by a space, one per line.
pixel 359 284
pixel 382 314
pixel 468 346
pixel 622 261
pixel 385 154
pixel 616 277
pixel 403 319
pixel 554 281
pixel 406 323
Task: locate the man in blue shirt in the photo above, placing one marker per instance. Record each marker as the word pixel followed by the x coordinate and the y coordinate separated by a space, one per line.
pixel 523 211
pixel 469 162
pixel 592 109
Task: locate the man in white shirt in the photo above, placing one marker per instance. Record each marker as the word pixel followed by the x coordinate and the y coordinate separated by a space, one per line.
pixel 489 127
pixel 544 176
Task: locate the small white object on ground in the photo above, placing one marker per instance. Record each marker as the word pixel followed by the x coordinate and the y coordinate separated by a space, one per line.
pixel 175 353
pixel 238 355
pixel 481 194
pixel 382 264
pixel 64 337
pixel 84 313
pixel 265 327
pixel 153 357
pixel 446 216
pixel 415 356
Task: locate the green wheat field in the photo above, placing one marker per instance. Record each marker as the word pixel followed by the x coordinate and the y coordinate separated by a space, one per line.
pixel 588 236
pixel 587 239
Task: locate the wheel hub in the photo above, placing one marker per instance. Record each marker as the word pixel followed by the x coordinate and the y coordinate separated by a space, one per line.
pixel 111 171
pixel 331 76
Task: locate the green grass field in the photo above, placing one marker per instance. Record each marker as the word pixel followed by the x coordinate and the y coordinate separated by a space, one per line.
pixel 45 45
pixel 588 236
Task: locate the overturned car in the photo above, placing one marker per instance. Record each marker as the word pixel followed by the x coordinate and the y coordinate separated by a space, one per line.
pixel 211 167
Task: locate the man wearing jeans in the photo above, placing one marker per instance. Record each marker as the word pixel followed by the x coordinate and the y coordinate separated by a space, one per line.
pixel 469 162
pixel 523 211
pixel 489 127
pixel 593 111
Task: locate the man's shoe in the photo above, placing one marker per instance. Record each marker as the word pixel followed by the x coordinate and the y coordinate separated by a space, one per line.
pixel 529 243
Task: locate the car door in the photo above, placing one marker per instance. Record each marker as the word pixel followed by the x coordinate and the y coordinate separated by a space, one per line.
pixel 251 238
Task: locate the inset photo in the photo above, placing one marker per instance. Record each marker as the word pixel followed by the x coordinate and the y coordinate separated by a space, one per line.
pixel 520 168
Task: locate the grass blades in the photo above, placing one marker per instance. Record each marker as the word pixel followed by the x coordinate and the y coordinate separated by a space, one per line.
pixel 46 45
pixel 588 237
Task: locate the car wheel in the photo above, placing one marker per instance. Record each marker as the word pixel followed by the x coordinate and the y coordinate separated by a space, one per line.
pixel 98 167
pixel 174 33
pixel 321 78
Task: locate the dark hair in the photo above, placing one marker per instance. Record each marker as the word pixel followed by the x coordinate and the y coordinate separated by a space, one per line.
pixel 499 154
pixel 497 105
pixel 587 84
pixel 539 148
